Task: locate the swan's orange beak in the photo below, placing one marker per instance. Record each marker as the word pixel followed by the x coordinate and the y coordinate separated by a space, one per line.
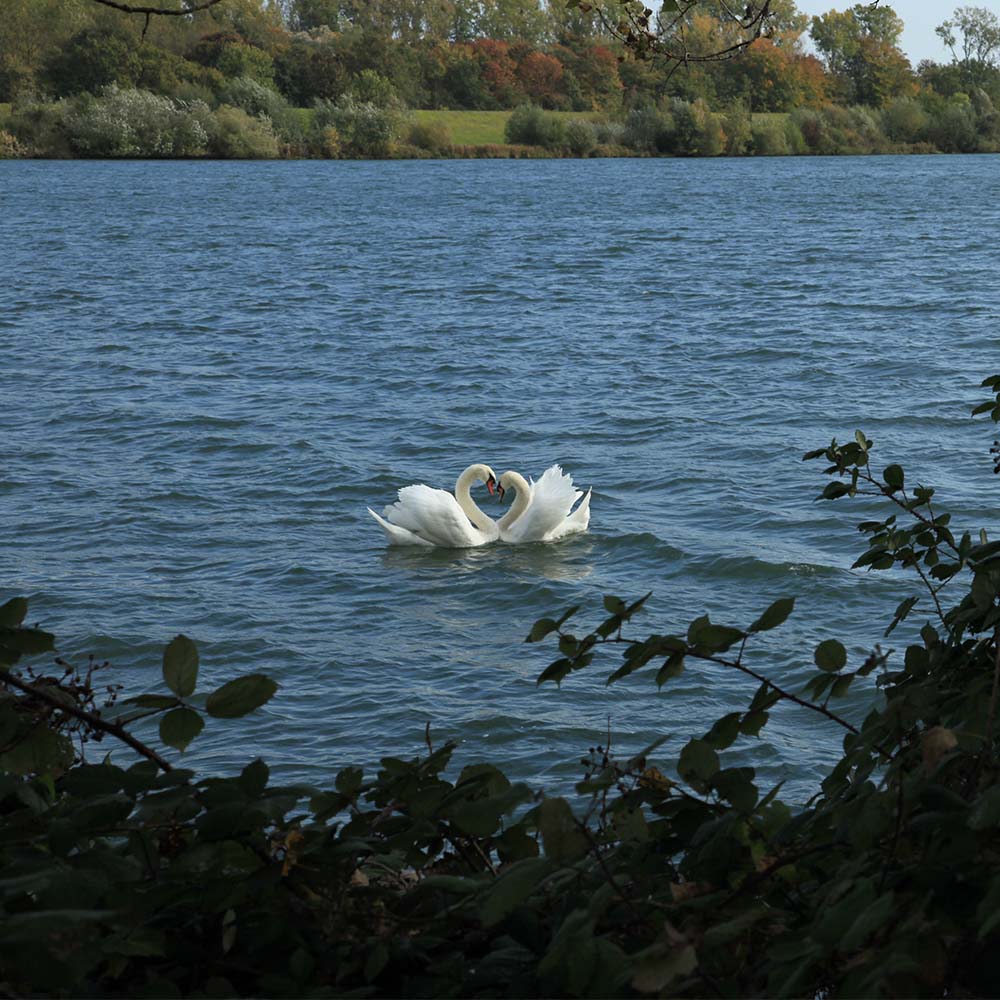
pixel 500 492
pixel 491 485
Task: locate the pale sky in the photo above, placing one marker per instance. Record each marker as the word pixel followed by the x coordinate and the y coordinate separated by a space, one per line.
pixel 921 17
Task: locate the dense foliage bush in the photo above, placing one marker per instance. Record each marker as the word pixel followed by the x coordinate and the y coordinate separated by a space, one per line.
pixel 135 123
pixel 738 129
pixel 580 137
pixel 953 129
pixel 529 125
pixel 266 104
pixel 10 148
pixel 252 97
pixel 435 137
pixel 38 128
pixel 767 138
pixel 364 130
pixel 235 135
pixel 905 120
pixel 648 130
pixel 124 875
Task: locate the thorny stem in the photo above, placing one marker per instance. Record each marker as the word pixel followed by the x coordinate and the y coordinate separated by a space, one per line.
pixel 112 728
pixel 931 590
pixel 782 692
pixel 737 665
pixel 929 521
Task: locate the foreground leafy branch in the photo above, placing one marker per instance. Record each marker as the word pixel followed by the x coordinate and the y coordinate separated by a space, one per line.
pixel 132 876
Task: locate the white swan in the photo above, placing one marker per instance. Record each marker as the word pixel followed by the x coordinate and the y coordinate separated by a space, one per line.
pixel 434 518
pixel 541 511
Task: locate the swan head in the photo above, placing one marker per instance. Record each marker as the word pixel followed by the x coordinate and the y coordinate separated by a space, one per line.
pixel 510 480
pixel 482 474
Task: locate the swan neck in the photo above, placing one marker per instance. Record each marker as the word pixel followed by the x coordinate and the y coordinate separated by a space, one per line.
pixel 518 483
pixel 478 517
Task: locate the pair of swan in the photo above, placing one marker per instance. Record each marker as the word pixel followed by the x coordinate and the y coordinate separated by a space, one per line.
pixel 541 511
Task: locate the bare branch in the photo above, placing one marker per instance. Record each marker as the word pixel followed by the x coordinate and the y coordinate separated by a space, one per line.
pixel 667 40
pixel 113 728
pixel 131 8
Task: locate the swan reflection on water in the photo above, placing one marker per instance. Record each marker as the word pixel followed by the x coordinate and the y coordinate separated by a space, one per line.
pixel 566 560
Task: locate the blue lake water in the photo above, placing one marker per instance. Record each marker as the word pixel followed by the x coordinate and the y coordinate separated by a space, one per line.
pixel 209 370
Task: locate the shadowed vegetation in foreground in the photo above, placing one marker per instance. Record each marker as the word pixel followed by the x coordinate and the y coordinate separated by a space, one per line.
pixel 122 874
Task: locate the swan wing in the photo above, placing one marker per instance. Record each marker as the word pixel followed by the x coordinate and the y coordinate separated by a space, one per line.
pixel 552 497
pixel 575 523
pixel 397 535
pixel 435 516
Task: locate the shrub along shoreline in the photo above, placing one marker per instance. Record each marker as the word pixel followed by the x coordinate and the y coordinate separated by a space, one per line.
pixel 254 122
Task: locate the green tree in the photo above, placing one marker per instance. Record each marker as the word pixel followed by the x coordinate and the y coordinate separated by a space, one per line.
pixel 373 88
pixel 861 49
pixel 30 32
pixel 973 35
pixel 93 59
pixel 306 71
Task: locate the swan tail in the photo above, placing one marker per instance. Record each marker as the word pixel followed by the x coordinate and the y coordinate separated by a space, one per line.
pixel 577 522
pixel 396 534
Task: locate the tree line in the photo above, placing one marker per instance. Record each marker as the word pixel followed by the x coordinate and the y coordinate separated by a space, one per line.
pixel 244 69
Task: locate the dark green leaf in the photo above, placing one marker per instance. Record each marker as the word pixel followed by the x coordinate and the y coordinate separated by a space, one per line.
pixel 541 629
pixel 18 642
pixel 723 734
pixel 561 835
pixel 672 667
pixel 697 761
pixel 514 886
pixel 834 490
pixel 12 613
pixel 717 638
pixel 893 476
pixel 348 780
pixel 752 723
pixel 555 671
pixel 840 686
pixel 180 666
pixel 830 655
pixel 736 785
pixel 902 611
pixel 240 696
pixel 179 727
pixel 253 778
pixel 774 615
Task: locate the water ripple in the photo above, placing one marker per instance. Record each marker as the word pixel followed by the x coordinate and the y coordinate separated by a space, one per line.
pixel 203 394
